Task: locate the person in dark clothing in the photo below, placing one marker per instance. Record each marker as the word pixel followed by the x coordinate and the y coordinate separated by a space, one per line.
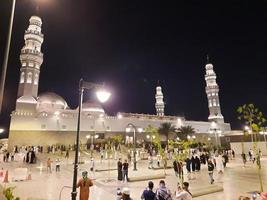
pixel 210 170
pixel 225 160
pixel 243 155
pixel 175 167
pixel 119 164
pixel 193 161
pixel 148 193
pixel 125 167
pixel 188 164
pixel 233 153
pixel 7 156
pixel 197 160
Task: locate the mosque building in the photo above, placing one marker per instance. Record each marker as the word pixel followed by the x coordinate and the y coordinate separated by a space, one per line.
pixel 46 119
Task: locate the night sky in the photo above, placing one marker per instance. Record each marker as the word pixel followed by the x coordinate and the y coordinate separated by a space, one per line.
pixel 131 44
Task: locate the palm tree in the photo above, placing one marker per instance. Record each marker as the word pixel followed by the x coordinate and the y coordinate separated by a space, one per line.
pixel 184 131
pixel 166 129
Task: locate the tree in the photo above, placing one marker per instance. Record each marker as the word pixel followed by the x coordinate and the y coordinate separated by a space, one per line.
pixel 166 129
pixel 184 131
pixel 254 118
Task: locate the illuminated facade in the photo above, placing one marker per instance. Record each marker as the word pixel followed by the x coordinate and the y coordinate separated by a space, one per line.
pixel 46 119
pixel 212 90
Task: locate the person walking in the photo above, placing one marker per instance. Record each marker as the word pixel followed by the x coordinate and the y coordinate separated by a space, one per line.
pixel 49 165
pixel 219 164
pixel 125 167
pixel 175 167
pixel 119 166
pixel 150 162
pixel 188 167
pixel 92 168
pixel 57 165
pixel 67 154
pixel 148 193
pixel 198 164
pixel 163 193
pixel 210 171
pixel 84 184
pixel 180 169
pixel 183 193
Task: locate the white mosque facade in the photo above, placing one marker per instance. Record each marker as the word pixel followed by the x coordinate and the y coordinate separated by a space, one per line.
pixel 46 119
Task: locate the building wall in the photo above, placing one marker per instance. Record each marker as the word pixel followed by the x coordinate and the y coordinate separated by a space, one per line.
pixel 237 147
pixel 42 129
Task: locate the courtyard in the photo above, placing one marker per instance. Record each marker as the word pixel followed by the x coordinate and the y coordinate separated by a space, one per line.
pixel 235 181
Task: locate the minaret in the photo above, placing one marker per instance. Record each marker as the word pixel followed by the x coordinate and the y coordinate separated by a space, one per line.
pixel 212 90
pixel 31 59
pixel 159 101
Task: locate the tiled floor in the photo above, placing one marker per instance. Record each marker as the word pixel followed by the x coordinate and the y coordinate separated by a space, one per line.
pixel 236 180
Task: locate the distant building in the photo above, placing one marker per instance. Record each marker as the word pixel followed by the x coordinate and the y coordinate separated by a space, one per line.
pixel 46 119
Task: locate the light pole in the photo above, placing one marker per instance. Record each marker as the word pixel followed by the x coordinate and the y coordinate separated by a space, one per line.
pixel 102 96
pixel 5 61
pixel 216 131
pixel 128 129
pixel 152 138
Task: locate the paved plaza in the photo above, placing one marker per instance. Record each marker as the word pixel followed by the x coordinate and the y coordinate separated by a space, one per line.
pixel 43 185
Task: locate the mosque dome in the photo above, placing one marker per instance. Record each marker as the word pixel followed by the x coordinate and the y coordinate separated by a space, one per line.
pixel 50 101
pixel 93 108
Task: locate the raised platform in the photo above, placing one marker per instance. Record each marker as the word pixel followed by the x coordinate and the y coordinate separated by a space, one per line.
pixel 146 178
pixel 105 170
pixel 209 189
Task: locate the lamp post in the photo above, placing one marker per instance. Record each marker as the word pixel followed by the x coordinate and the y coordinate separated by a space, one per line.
pixel 102 96
pixel 5 61
pixel 128 129
pixel 150 136
pixel 216 132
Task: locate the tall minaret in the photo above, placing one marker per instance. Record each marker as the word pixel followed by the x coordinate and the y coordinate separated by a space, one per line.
pixel 159 101
pixel 31 59
pixel 212 90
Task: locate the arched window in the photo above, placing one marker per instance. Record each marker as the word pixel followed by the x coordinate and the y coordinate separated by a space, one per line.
pixel 22 77
pixel 29 77
pixel 210 104
pixel 36 79
pixel 214 102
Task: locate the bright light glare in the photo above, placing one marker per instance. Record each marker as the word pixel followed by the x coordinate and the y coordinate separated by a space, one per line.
pixel 147 136
pixel 128 129
pixel 2 130
pixel 209 139
pixel 119 116
pixel 88 136
pixel 96 136
pixel 194 137
pixel 103 95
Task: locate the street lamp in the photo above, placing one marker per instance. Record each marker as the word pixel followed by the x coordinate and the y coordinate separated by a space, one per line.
pixel 102 96
pixel 216 131
pixel 128 129
pixel 2 130
pixel 151 136
pixel 5 61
